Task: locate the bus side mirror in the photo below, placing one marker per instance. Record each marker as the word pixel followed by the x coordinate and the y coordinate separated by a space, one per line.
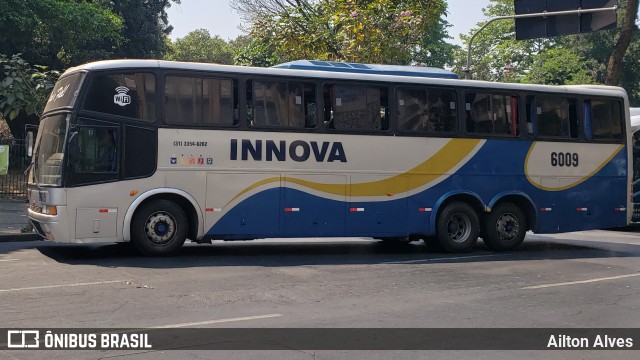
pixel 29 144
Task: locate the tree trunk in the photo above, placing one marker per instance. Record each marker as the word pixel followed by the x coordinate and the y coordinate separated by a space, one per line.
pixel 627 29
pixel 17 125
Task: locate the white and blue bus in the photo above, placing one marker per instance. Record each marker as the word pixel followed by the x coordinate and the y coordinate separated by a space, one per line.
pixel 155 153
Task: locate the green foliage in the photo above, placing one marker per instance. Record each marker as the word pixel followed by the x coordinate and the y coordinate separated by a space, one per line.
pixel 58 33
pixel 63 33
pixel 375 31
pixel 569 59
pixel 145 27
pixel 200 46
pixel 434 50
pixel 559 66
pixel 24 88
pixel 258 52
pixel 495 53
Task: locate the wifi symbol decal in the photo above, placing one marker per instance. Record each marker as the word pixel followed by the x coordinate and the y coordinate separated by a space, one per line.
pixel 121 98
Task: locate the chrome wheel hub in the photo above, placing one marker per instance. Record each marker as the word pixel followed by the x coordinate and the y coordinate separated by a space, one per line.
pixel 160 227
pixel 508 226
pixel 459 228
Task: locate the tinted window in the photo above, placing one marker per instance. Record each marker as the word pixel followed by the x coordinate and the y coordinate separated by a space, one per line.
pixel 131 95
pixel 606 119
pixel 64 92
pixel 97 150
pixel 140 152
pixel 200 101
pixel 356 107
pixel 426 110
pixel 552 116
pixel 281 104
pixel 491 114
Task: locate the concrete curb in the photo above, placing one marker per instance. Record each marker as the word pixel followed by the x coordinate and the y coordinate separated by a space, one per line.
pixel 19 237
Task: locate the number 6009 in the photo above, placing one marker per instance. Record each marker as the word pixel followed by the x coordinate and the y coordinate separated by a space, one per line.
pixel 565 159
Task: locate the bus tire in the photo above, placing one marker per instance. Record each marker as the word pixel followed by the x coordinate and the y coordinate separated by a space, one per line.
pixel 458 227
pixel 505 227
pixel 159 228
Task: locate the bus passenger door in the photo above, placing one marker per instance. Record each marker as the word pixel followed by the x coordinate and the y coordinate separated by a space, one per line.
pixel 313 205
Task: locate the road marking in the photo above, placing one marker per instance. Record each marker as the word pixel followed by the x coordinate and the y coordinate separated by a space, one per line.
pixel 439 259
pixel 6 260
pixel 219 321
pixel 63 286
pixel 580 282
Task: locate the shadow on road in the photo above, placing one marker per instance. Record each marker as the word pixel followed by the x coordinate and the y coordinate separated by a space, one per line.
pixel 274 254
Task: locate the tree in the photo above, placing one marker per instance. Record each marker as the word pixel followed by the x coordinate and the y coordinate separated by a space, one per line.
pixel 258 52
pixel 376 31
pixel 24 90
pixel 200 46
pixel 58 33
pixel 434 50
pixel 569 59
pixel 496 55
pixel 559 66
pixel 626 30
pixel 145 26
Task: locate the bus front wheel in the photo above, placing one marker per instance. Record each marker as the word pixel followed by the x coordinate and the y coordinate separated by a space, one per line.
pixel 159 228
pixel 458 227
pixel 505 227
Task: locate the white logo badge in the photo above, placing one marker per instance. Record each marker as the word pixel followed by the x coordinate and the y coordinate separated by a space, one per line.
pixel 23 339
pixel 121 98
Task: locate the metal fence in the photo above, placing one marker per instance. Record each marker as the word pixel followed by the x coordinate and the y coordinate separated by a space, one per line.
pixel 14 184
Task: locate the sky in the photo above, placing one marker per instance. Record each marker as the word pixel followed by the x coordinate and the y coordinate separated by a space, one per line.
pixel 220 19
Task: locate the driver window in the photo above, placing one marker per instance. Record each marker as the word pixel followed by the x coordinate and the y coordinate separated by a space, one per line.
pixel 97 150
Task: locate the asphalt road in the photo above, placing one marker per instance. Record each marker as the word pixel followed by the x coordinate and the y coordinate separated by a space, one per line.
pixel 585 280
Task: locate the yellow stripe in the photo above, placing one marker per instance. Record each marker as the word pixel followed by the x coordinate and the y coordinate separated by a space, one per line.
pixel 587 177
pixel 439 164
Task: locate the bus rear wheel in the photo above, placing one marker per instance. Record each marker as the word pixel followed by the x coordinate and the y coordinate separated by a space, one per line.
pixel 505 227
pixel 458 227
pixel 159 228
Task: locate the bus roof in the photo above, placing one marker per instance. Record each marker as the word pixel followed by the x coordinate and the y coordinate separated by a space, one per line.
pixel 396 70
pixel 129 65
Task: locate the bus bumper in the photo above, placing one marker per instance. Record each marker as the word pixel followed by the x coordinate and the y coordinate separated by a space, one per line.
pixel 51 227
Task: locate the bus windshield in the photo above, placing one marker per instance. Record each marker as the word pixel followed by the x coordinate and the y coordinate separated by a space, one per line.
pixel 49 150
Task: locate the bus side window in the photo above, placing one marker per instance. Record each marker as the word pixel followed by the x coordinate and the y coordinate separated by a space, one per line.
pixel 479 113
pixel 357 107
pixel 426 110
pixel 412 114
pixel 284 104
pixel 130 95
pixel 555 116
pixel 491 114
pixel 531 115
pixel 200 101
pixel 604 120
pixel 310 107
pixel 327 96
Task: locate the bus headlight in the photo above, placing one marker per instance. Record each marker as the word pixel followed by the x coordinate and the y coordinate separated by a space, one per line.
pixel 50 209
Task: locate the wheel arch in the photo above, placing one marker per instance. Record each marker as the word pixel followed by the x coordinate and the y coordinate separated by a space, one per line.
pixel 468 197
pixel 522 200
pixel 180 197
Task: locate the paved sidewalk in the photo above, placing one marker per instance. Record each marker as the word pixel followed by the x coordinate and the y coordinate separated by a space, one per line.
pixel 13 218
